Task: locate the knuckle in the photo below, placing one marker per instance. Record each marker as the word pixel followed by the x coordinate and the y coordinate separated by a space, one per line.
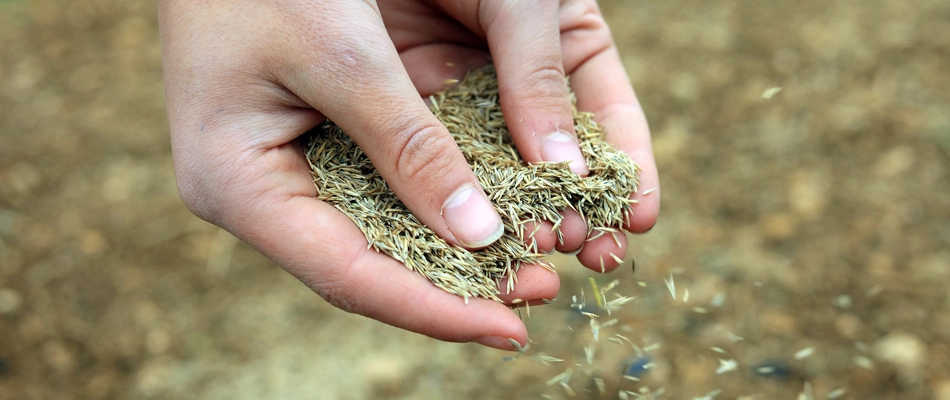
pixel 547 79
pixel 425 152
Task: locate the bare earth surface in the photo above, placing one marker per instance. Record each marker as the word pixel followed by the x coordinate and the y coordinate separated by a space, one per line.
pixel 808 235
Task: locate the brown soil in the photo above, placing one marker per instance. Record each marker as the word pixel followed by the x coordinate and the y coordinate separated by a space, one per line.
pixel 818 219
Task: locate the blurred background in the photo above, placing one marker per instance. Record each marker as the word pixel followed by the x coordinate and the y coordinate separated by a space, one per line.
pixel 807 233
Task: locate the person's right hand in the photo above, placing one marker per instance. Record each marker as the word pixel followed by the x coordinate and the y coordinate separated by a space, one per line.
pixel 244 79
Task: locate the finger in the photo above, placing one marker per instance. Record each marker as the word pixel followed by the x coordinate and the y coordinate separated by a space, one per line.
pixel 540 236
pixel 532 284
pixel 524 39
pixel 602 87
pixel 573 232
pixel 437 67
pixel 358 81
pixel 604 251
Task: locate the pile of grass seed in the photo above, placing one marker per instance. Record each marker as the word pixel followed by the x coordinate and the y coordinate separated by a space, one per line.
pixel 345 178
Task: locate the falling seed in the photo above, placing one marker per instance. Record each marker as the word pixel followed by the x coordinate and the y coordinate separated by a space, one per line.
pixel 624 338
pixel 597 295
pixel 806 393
pixel 589 351
pixel 836 393
pixel 709 396
pixel 601 387
pixel 718 350
pixel 517 346
pixel 671 286
pixel 567 389
pixel 616 258
pixel 549 359
pixel 648 191
pixel 842 301
pixel 700 310
pixel 448 82
pixel 718 300
pixel 651 347
pixel 772 91
pixel 726 366
pixel 804 353
pixel 767 370
pixel 562 377
pixel 686 295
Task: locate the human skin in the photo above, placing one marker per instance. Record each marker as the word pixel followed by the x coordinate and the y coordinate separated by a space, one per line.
pixel 244 79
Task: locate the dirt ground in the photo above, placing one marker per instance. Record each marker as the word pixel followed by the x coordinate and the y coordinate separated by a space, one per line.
pixel 808 234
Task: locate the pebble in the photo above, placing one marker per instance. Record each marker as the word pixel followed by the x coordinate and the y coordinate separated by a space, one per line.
pixel 157 341
pixel 24 177
pixel 894 162
pixel 59 357
pixel 386 374
pixel 778 322
pixel 905 351
pixel 10 301
pixel 848 325
pixel 778 226
pixel 942 390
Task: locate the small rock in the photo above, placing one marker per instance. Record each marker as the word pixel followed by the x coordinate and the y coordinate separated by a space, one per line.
pixel 942 390
pixel 59 357
pixel 10 301
pixel 895 162
pixel 157 341
pixel 778 322
pixel 905 351
pixel 848 325
pixel 778 226
pixel 386 375
pixel 24 177
pixel 92 242
pixel 807 195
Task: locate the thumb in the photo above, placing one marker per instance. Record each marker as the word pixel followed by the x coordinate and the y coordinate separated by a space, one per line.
pixel 358 81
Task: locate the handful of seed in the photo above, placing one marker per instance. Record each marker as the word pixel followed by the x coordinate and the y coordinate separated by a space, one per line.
pixel 345 178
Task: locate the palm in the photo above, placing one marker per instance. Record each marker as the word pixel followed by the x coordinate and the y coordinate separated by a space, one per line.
pixel 432 45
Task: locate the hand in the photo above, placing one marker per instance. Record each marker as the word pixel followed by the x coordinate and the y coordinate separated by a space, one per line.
pixel 244 79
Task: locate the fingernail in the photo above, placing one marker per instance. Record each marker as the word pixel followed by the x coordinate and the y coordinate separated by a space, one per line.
pixel 497 342
pixel 559 147
pixel 471 217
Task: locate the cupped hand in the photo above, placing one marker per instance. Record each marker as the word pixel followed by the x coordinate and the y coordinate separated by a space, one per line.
pixel 244 79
